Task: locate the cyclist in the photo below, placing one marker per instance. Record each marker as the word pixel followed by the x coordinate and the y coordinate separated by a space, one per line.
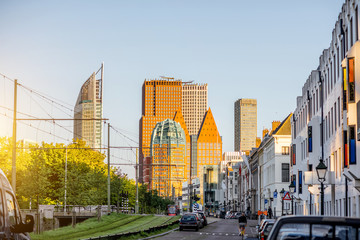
pixel 242 224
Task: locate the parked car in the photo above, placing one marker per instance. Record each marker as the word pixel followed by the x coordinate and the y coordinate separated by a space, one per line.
pixel 202 214
pixel 190 220
pixel 201 219
pixel 11 224
pixel 262 224
pixel 237 215
pixel 264 233
pixel 315 227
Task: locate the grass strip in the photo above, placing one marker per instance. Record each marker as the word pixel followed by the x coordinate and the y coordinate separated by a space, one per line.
pixel 112 224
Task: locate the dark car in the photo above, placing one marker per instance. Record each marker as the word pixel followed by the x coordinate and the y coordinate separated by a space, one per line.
pixel 315 227
pixel 203 217
pixel 190 220
pixel 264 233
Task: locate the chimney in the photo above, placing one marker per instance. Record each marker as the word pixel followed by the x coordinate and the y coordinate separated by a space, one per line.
pixel 265 131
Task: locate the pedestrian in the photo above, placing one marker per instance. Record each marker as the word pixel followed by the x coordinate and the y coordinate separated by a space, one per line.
pixel 242 224
pixel 270 213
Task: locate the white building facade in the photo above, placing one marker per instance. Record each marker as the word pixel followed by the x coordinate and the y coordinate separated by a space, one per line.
pixel 273 165
pixel 325 125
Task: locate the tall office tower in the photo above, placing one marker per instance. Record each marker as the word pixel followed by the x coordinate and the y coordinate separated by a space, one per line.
pixel 194 105
pixel 160 100
pixel 209 150
pixel 89 105
pixel 245 121
pixel 168 150
pixel 209 143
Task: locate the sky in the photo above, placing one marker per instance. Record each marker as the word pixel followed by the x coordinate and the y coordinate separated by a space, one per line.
pixel 242 49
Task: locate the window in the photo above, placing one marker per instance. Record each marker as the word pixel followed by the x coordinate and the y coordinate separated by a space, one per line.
pixel 352 145
pixel 345 232
pixel 351 32
pixel 351 67
pixel 293 154
pixel 310 138
pixel 13 213
pixel 285 150
pixel 356 24
pixel 345 148
pixel 335 116
pixel 321 231
pixel 294 231
pixel 317 100
pixel 332 121
pixel 300 181
pixel 285 172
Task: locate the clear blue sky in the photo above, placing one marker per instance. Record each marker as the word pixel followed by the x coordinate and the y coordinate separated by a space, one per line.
pixel 243 49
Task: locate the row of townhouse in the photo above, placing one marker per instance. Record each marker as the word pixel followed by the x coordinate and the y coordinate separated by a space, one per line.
pixel 266 171
pixel 326 125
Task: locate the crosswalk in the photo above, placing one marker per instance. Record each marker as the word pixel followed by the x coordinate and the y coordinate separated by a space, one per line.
pixel 221 234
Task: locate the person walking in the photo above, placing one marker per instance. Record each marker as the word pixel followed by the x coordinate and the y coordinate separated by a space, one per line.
pixel 242 224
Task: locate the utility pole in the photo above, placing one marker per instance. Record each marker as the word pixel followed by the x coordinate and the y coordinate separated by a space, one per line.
pixel 137 184
pixel 13 171
pixel 65 178
pixel 108 158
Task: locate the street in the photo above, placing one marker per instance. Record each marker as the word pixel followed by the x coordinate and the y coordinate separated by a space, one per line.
pixel 217 228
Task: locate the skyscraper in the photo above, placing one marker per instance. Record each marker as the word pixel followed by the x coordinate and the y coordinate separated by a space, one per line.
pixel 89 106
pixel 245 124
pixel 168 150
pixel 194 105
pixel 160 100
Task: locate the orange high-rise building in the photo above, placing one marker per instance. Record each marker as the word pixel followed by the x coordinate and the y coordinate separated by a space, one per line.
pixel 160 100
pixel 209 143
pixel 168 155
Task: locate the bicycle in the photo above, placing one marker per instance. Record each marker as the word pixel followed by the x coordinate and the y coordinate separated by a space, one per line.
pixel 242 230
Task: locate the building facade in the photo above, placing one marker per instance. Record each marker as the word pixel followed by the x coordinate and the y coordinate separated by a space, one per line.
pixel 168 151
pixel 326 122
pixel 194 105
pixel 160 100
pixel 245 124
pixel 230 168
pixel 89 105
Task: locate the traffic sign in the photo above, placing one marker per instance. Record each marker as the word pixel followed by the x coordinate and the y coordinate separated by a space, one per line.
pixel 287 196
pixel 275 194
pixel 266 201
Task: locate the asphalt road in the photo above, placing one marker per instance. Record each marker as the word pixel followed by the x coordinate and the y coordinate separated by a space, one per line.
pixel 219 229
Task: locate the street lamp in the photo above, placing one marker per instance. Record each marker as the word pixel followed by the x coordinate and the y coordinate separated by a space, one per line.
pixel 292 190
pixel 321 173
pixel 282 192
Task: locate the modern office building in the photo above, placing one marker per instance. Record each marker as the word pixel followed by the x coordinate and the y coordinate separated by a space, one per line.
pixel 160 100
pixel 245 124
pixel 89 105
pixel 168 155
pixel 209 143
pixel 194 105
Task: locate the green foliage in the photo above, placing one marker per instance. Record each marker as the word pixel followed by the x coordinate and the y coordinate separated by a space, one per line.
pixel 40 177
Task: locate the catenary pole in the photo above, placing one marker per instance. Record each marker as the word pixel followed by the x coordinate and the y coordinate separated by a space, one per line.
pixel 108 158
pixel 137 185
pixel 13 171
